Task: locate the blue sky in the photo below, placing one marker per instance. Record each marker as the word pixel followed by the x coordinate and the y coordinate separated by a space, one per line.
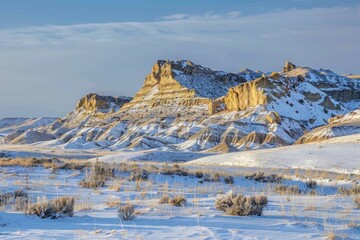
pixel 55 51
pixel 15 13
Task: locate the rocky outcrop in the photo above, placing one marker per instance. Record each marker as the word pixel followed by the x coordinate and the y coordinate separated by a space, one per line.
pixel 288 66
pixel 247 95
pixel 94 102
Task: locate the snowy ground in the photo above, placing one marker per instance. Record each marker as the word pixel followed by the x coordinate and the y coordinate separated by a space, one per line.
pixel 285 217
pixel 341 154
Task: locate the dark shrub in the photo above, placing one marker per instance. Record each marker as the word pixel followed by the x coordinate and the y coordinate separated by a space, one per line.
pixel 126 213
pixel 229 180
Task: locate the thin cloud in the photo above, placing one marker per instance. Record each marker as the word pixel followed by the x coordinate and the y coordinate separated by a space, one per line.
pixel 113 58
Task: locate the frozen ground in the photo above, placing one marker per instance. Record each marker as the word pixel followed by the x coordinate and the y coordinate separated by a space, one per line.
pixel 285 217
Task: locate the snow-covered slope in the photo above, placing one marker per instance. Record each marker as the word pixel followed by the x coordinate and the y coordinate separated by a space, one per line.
pixel 11 128
pixel 341 154
pixel 187 107
pixel 341 125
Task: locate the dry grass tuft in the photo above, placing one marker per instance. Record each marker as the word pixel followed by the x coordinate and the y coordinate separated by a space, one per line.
pixel 164 199
pixel 357 201
pixel 350 191
pixel 287 190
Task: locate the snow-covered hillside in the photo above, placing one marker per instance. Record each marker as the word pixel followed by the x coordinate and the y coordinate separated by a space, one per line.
pixel 341 125
pixel 14 127
pixel 341 154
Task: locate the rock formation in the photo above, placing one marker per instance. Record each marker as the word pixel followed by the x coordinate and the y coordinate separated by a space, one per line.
pixel 184 106
pixel 288 66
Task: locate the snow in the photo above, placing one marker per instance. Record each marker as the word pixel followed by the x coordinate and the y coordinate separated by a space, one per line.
pixel 285 217
pixel 152 156
pixel 338 155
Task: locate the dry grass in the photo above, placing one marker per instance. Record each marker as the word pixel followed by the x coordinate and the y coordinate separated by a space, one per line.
pixel 112 201
pixel 164 199
pixel 355 189
pixel 287 190
pixel 177 201
pixel 357 201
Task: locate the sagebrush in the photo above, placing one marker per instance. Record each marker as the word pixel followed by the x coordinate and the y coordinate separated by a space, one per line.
pixel 240 205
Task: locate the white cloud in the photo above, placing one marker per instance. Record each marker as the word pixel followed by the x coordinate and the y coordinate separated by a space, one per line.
pixel 113 58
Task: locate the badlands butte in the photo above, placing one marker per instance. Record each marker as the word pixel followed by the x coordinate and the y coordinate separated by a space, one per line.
pixel 183 106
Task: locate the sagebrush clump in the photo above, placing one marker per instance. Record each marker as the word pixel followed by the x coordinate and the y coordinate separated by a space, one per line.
pixel 164 199
pixel 239 205
pixel 287 190
pixel 261 177
pixel 97 177
pixel 9 197
pixel 350 191
pixel 311 184
pixel 229 180
pixel 175 170
pixel 177 201
pixel 58 207
pixel 126 212
pixel 357 201
pixel 138 175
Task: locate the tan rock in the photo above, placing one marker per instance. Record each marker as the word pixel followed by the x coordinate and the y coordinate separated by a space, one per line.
pixel 246 95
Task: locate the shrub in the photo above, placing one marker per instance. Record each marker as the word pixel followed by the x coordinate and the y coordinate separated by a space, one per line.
pixel 311 184
pixel 229 180
pixel 313 192
pixel 260 177
pixel 357 201
pixel 287 190
pixel 6 198
pixel 216 177
pixel 164 199
pixel 99 173
pixel 239 205
pixel 175 170
pixel 177 201
pixel 350 191
pixel 59 207
pixel 126 212
pixel 138 175
pixel 199 174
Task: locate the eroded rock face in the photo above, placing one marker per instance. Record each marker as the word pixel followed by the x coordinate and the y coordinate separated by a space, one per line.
pixel 288 66
pixel 247 95
pixel 94 102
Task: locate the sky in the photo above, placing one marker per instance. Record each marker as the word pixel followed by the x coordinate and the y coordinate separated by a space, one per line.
pixel 54 52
